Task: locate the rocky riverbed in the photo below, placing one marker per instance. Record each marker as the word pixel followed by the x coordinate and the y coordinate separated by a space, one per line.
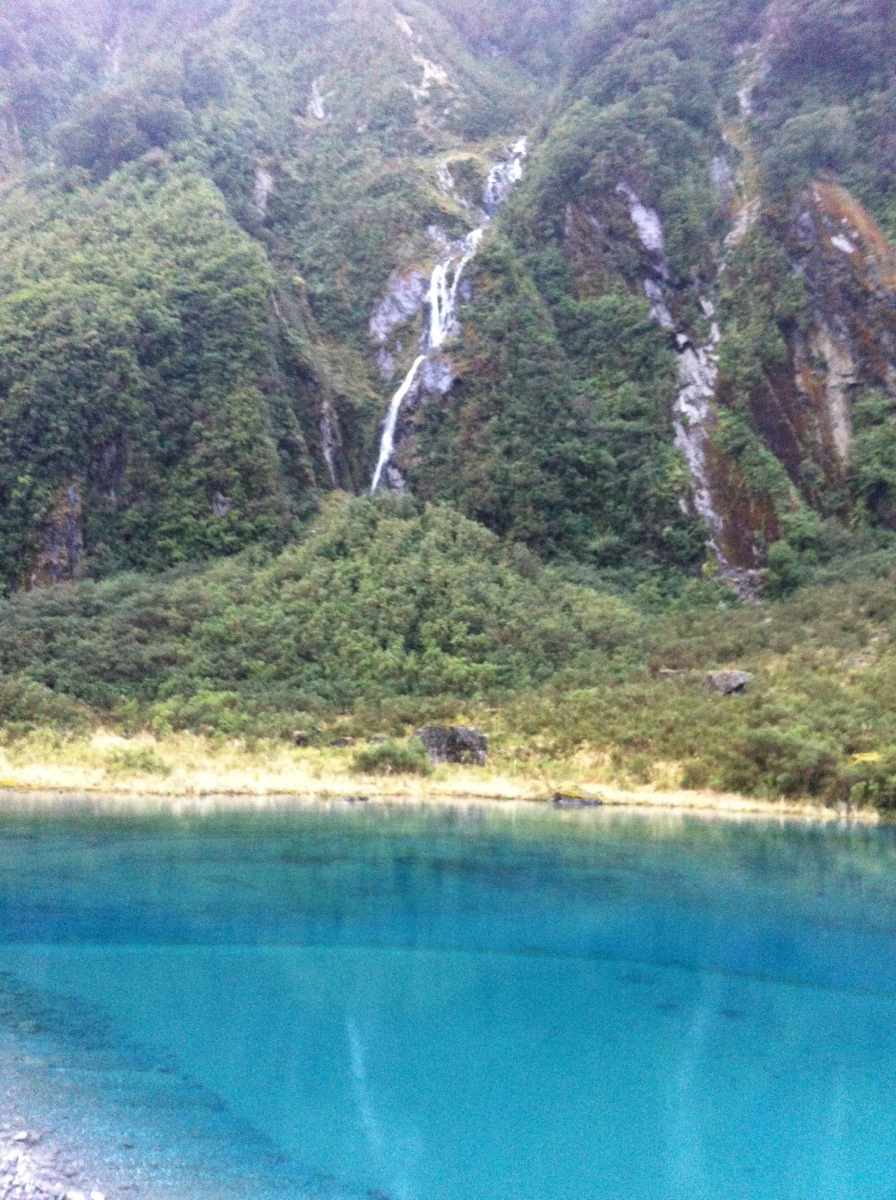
pixel 33 1167
pixel 87 1115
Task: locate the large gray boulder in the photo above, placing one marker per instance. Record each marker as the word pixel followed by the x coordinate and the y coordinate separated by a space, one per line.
pixel 454 744
pixel 728 682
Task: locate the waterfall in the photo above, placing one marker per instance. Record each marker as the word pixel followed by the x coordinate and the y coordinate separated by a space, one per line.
pixel 503 176
pixel 443 289
pixel 387 442
pixel 442 295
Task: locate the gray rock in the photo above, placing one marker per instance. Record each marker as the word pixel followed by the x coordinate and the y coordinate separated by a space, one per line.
pixel 559 800
pixel 403 299
pixel 342 743
pixel 307 737
pixel 454 744
pixel 728 682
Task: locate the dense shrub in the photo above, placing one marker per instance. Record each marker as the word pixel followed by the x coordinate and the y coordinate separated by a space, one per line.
pixel 26 705
pixel 393 758
pixel 381 600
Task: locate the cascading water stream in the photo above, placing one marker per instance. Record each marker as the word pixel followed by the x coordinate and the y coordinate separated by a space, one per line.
pixel 442 296
pixel 387 441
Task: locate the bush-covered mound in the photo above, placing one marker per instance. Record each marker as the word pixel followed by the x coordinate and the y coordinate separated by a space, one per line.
pixel 387 615
pixel 382 599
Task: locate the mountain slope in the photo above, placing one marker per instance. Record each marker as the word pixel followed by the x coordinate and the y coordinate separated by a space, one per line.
pixel 677 341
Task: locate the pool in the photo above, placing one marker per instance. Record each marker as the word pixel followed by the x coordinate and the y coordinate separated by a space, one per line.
pixel 459 1005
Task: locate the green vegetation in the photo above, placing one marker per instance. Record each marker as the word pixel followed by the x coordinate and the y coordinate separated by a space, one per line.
pixel 387 616
pixel 393 758
pixel 201 206
pixel 140 376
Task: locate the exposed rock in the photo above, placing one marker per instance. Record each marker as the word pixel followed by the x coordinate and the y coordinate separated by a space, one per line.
pixel 264 185
pixel 433 75
pixel 330 440
pixel 31 1171
pixel 316 109
pixel 112 467
pixel 850 276
pixel 746 581
pixel 454 744
pixel 61 542
pixel 304 737
pixel 562 800
pixel 729 682
pixel 402 300
pixel 342 743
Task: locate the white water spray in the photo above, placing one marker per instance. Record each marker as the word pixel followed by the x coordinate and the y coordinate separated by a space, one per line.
pixel 443 289
pixel 504 175
pixel 442 296
pixel 387 442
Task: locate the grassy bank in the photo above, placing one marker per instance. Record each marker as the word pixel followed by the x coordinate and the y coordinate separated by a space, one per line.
pixel 184 770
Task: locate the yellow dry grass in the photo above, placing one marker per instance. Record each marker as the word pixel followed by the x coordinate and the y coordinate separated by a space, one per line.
pixel 185 770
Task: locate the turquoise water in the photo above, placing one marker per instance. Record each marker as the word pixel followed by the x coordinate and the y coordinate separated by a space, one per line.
pixel 435 1006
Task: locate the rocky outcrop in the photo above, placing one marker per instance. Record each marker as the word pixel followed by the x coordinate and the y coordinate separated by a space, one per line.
pixel 400 303
pixel 60 539
pixel 454 744
pixel 573 801
pixel 850 276
pixel 728 682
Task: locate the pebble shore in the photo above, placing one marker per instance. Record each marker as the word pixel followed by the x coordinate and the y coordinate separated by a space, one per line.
pixel 33 1168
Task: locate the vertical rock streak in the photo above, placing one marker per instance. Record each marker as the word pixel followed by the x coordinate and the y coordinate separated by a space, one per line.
pixel 442 296
pixel 698 371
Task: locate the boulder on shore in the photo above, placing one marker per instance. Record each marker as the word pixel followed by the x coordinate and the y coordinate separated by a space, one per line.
pixel 454 744
pixel 729 682
pixel 574 800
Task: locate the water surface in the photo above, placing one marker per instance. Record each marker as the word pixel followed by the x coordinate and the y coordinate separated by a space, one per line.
pixel 443 1006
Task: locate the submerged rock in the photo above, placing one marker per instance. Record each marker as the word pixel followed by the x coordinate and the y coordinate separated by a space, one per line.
pixel 728 682
pixel 562 800
pixel 454 744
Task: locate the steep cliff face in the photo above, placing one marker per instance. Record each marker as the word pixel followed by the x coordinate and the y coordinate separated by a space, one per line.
pixel 237 272
pixel 689 164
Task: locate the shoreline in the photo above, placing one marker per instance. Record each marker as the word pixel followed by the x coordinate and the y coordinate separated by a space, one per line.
pixel 142 799
pixel 190 773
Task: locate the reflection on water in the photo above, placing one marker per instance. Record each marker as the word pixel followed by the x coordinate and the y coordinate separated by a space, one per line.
pixel 435 1005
